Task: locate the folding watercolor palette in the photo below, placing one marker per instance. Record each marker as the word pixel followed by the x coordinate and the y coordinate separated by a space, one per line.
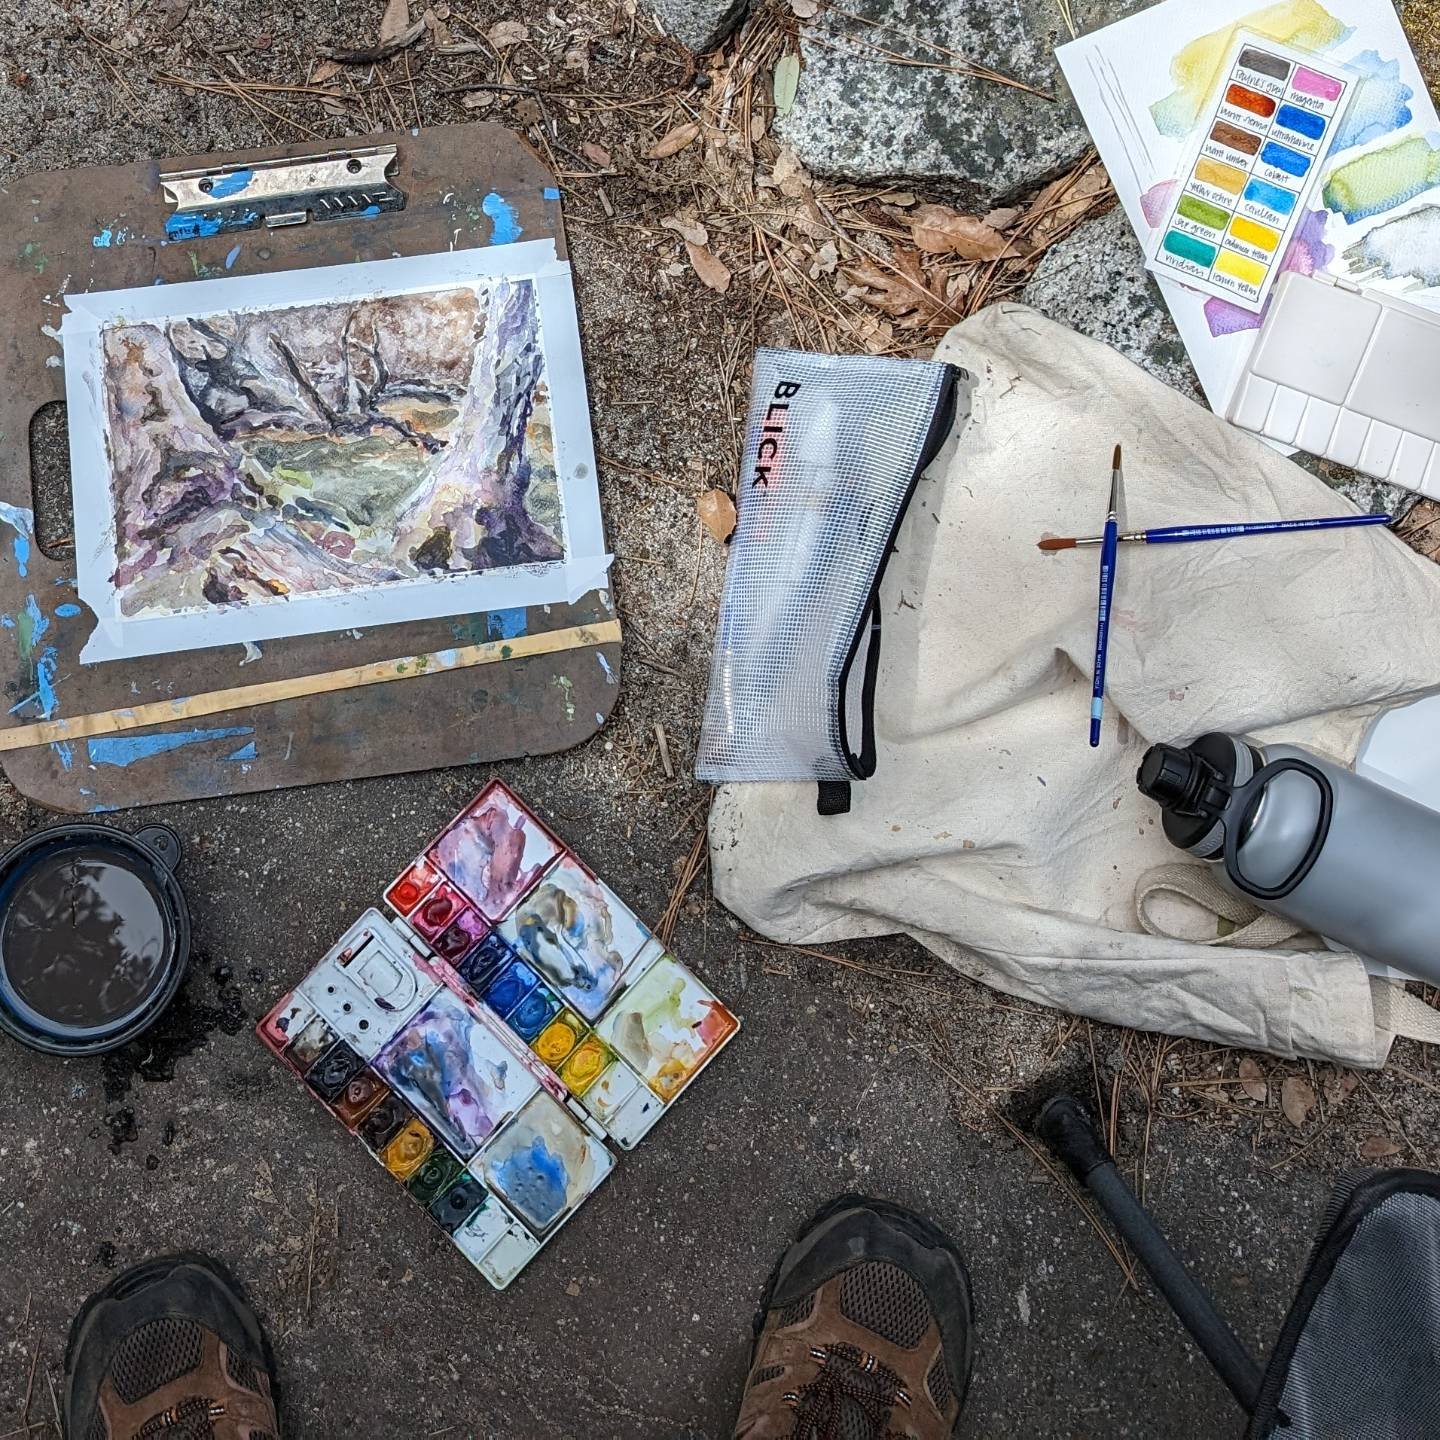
pixel 1241 198
pixel 493 1039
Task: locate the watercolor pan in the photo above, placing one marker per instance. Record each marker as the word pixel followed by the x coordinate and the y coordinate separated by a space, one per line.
pixel 477 1043
pixel 1238 202
pixel 577 933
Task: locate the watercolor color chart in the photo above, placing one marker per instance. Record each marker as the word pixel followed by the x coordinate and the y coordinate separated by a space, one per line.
pixel 1243 194
pixel 493 1040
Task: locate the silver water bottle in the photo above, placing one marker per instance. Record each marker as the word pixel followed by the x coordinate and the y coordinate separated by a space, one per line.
pixel 1309 840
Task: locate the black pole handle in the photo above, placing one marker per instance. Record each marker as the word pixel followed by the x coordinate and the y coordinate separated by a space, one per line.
pixel 1064 1124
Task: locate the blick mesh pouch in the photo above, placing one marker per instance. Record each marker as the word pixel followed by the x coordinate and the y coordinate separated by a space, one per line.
pixel 834 446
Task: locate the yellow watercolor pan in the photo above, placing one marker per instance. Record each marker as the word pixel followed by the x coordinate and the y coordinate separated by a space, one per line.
pixel 1252 272
pixel 1222 177
pixel 1254 233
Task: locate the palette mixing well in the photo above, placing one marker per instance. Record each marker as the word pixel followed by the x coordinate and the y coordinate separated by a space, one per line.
pixel 492 1041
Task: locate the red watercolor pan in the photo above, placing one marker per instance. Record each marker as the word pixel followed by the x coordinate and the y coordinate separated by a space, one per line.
pixel 438 911
pixel 413 886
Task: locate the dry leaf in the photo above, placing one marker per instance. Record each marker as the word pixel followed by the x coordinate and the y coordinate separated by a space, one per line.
pixel 395 22
pixel 905 293
pixel 478 100
pixel 717 514
pixel 1003 218
pixel 690 230
pixel 1252 1080
pixel 711 270
pixel 1065 202
pixel 943 231
pixel 439 30
pixel 1378 1147
pixel 674 141
pixel 577 57
pixel 827 257
pixel 596 154
pixel 504 34
pixel 1338 1086
pixel 789 175
pixel 1297 1100
pixel 171 14
pixel 787 81
pixel 325 71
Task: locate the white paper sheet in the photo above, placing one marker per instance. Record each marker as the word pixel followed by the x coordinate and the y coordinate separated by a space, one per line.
pixel 1143 97
pixel 584 565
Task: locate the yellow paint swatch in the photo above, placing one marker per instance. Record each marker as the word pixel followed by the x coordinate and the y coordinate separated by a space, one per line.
pixel 1252 272
pixel 1222 177
pixel 1253 233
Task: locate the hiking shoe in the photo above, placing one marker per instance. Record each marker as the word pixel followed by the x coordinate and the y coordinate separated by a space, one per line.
pixel 864 1332
pixel 169 1350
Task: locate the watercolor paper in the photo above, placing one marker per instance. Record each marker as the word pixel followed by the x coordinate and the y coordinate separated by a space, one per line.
pixel 494 852
pixel 1146 85
pixel 577 933
pixel 545 1163
pixel 456 1072
pixel 667 1024
pixel 286 454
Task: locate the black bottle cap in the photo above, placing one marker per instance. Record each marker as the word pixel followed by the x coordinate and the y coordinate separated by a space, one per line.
pixel 1170 775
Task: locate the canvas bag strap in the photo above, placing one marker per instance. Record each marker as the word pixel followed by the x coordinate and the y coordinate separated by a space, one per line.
pixel 1255 929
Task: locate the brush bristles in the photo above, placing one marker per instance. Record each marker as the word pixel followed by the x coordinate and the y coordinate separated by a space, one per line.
pixel 1115 463
pixel 1057 542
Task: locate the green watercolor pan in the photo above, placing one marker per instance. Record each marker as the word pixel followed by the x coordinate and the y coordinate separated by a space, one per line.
pixel 497 1038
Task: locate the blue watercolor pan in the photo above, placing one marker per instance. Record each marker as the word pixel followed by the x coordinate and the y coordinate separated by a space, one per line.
pixel 510 987
pixel 1272 197
pixel 480 967
pixel 534 1012
pixel 1282 157
pixel 1302 122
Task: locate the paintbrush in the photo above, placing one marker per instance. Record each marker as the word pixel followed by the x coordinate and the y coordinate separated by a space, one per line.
pixel 1177 534
pixel 1109 549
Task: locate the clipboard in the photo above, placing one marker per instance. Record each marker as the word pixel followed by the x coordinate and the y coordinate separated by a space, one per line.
pixel 396 698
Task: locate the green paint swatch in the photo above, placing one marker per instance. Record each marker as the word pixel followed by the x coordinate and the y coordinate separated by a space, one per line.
pixel 1383 179
pixel 1187 247
pixel 1202 212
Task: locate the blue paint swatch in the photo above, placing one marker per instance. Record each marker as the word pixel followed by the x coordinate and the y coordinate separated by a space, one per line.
pixel 505 227
pixel 228 185
pixel 1302 122
pixel 1273 197
pixel 510 987
pixel 1282 157
pixel 126 749
pixel 1187 247
pixel 534 1012
pixel 505 624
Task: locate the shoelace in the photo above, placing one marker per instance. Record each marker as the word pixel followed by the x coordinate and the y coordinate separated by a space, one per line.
pixel 182 1414
pixel 846 1373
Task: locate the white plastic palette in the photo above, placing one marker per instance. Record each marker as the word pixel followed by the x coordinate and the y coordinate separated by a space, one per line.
pixel 491 1043
pixel 1350 374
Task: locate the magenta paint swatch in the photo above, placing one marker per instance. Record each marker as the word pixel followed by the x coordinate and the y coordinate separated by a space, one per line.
pixel 1322 87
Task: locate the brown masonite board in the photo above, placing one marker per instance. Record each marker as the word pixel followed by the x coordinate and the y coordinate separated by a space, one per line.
pixel 53 232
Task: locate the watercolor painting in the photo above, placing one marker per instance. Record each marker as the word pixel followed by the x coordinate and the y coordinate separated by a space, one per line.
pixel 456 1072
pixel 286 452
pixel 578 934
pixel 545 1163
pixel 1145 85
pixel 302 451
pixel 667 1025
pixel 494 852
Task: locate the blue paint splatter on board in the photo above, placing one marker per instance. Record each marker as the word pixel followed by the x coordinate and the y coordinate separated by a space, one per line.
pixel 606 667
pixel 126 749
pixel 505 624
pixel 67 612
pixel 245 752
pixel 65 753
pixel 103 239
pixel 551 193
pixel 45 683
pixel 504 226
pixel 232 257
pixel 228 185
pixel 21 546
pixel 368 213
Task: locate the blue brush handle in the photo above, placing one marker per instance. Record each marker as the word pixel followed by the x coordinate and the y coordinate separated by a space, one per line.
pixel 1102 627
pixel 1174 534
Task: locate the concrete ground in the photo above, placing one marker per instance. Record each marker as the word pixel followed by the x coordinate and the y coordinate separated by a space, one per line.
pixel 634 1322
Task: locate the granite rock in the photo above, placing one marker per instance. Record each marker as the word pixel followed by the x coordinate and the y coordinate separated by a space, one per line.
pixel 698 24
pixel 860 116
pixel 1095 281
